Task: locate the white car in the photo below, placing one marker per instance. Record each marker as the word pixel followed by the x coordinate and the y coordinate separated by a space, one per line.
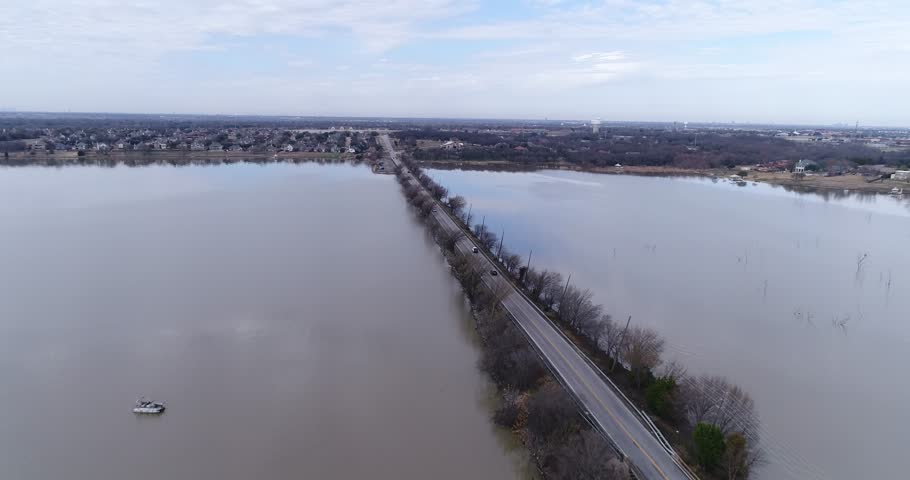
pixel 475 250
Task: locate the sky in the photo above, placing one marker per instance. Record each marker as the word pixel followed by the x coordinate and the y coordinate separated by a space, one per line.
pixel 768 61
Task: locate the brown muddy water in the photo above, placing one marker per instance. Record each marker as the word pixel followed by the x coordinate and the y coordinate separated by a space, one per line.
pixel 764 286
pixel 296 320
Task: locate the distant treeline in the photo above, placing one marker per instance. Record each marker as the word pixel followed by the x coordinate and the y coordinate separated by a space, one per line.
pixel 645 147
pixel 142 160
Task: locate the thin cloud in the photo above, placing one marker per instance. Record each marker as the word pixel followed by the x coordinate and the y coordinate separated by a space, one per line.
pixel 600 56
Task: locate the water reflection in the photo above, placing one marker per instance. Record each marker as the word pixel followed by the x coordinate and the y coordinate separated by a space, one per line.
pixel 293 317
pixel 766 286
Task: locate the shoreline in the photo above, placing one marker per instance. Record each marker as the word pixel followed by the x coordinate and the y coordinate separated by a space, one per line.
pixel 848 183
pixel 134 158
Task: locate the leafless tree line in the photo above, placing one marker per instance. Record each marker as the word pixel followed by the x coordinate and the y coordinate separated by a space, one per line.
pixel 515 367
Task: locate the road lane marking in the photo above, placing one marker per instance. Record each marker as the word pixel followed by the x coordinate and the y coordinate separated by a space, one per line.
pixel 539 330
pixel 599 400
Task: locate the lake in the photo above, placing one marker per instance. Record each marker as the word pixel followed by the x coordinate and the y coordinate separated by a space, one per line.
pixel 296 319
pixel 800 298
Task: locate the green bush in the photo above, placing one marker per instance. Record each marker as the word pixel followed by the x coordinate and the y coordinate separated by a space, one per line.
pixel 709 445
pixel 658 396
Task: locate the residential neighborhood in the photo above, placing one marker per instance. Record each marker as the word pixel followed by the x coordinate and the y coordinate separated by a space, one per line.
pixel 198 139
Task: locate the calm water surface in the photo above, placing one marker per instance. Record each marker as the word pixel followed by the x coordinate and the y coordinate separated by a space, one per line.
pixel 296 320
pixel 748 282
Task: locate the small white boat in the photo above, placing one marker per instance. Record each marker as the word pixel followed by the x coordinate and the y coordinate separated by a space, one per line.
pixel 897 192
pixel 144 405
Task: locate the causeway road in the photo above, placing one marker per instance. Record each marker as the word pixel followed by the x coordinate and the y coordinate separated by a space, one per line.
pixel 603 405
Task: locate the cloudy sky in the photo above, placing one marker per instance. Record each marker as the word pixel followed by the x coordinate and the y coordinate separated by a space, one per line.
pixel 818 61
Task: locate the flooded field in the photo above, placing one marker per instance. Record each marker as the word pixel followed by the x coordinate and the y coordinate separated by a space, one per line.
pixel 800 298
pixel 296 320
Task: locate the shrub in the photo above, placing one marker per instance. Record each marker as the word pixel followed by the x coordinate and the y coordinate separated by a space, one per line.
pixel 709 445
pixel 658 395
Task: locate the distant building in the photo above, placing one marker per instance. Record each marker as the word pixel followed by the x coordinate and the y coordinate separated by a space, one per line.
pixel 902 175
pixel 803 165
pixel 595 125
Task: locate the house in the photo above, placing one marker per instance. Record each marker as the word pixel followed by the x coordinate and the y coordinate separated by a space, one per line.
pixel 101 146
pixel 902 175
pixel 289 148
pixel 59 147
pixel 235 148
pixel 81 146
pixel 216 147
pixel 452 145
pixel 197 147
pixel 803 165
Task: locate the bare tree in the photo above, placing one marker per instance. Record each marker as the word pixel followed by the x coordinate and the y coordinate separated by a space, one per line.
pixel 715 400
pixel 486 238
pixel 674 370
pixel 467 218
pixel 498 293
pixel 552 289
pixel 643 347
pixel 469 270
pixel 511 261
pixel 533 283
pixel 742 456
pixel 610 336
pixel 449 238
pixel 552 417
pixel 587 456
pixel 437 191
pixel 539 282
pixel 411 192
pixel 457 204
pixel 425 206
pixel 577 309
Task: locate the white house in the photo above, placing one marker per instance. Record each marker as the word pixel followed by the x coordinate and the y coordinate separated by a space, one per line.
pixel 903 175
pixel 802 165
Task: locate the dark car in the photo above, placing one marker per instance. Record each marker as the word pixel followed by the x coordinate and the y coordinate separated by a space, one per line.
pixel 494 272
pixel 475 250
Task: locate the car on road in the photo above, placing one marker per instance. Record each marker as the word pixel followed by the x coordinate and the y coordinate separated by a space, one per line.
pixel 475 250
pixel 494 272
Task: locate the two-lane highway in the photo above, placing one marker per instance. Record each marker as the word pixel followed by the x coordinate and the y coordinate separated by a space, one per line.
pixel 604 406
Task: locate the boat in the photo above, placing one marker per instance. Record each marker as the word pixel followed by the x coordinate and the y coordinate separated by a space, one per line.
pixel 144 405
pixel 897 192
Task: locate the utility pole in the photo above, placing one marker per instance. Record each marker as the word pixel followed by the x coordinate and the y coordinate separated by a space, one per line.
pixel 529 259
pixel 501 238
pixel 564 290
pixel 482 224
pixel 469 214
pixel 621 338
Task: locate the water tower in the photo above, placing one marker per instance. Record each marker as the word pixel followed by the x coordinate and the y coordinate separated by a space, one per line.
pixel 595 125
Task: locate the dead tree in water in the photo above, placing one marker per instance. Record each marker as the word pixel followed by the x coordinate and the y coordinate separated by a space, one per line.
pixel 860 261
pixel 841 323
